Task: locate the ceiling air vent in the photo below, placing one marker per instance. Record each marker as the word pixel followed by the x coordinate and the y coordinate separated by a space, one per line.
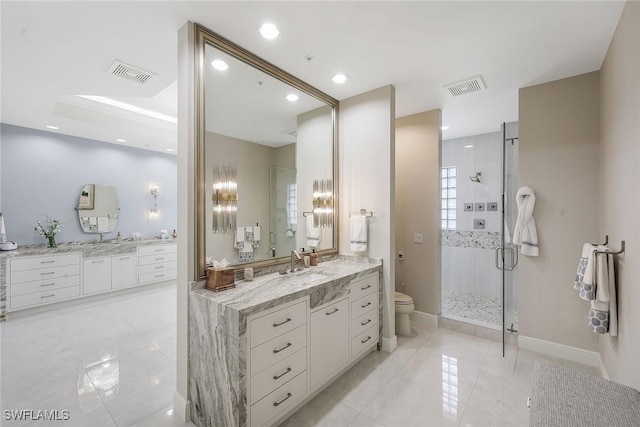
pixel 467 86
pixel 129 72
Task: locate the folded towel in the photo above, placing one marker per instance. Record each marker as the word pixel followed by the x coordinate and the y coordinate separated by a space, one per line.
pixel 358 233
pixel 256 236
pixel 313 233
pixel 603 312
pixel 507 235
pixel 103 224
pixel 586 291
pixel 525 233
pixel 93 220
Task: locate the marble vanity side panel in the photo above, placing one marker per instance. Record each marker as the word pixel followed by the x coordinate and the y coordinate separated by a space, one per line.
pixel 214 368
pixel 3 289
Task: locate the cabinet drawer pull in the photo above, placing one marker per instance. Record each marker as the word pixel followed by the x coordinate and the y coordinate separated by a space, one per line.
pixel 159 250
pixel 47 273
pixel 160 266
pixel 124 258
pixel 366 287
pixel 48 296
pixel 47 284
pixel 275 325
pixel 335 310
pixel 277 377
pixel 366 305
pixel 48 262
pixel 365 322
pixel 282 401
pixel 98 261
pixel 159 275
pixel 283 348
pixel 160 258
pixel 365 340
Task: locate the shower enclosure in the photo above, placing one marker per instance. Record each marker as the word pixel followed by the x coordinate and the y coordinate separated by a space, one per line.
pixel 478 187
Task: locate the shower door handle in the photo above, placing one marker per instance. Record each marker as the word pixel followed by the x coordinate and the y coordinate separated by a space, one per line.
pixel 513 252
pixel 498 249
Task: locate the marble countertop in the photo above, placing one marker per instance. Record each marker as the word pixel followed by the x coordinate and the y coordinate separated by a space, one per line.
pixel 329 277
pixel 88 248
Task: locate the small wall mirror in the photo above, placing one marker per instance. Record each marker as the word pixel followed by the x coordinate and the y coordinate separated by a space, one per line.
pixel 264 137
pixel 98 208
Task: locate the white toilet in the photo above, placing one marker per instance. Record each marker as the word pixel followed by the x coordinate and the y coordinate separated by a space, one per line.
pixel 404 307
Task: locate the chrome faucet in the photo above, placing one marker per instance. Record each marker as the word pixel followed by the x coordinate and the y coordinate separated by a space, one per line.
pixel 297 256
pixel 101 237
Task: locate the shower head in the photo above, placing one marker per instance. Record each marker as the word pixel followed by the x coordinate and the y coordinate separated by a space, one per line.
pixel 476 178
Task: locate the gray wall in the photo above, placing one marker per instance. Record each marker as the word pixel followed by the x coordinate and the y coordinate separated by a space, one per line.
pixel 43 173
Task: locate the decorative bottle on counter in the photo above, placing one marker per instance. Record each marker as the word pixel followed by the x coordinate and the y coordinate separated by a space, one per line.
pixel 314 258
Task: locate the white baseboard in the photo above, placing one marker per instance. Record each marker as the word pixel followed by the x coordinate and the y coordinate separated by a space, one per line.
pixel 389 344
pixel 181 407
pixel 575 354
pixel 424 318
pixel 603 370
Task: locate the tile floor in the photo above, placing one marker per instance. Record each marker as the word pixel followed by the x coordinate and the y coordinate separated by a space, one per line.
pixel 112 363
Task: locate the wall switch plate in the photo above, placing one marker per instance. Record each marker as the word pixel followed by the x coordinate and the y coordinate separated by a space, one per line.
pixel 478 224
pixel 492 206
pixel 468 207
pixel 479 206
pixel 400 255
pixel 417 238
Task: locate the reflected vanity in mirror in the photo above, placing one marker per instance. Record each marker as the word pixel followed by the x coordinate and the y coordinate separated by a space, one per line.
pixel 98 208
pixel 277 134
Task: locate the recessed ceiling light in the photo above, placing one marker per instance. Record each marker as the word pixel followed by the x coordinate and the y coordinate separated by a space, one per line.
pixel 52 127
pixel 121 140
pixel 219 64
pixel 444 127
pixel 340 78
pixel 292 97
pixel 468 146
pixel 269 31
pixel 169 150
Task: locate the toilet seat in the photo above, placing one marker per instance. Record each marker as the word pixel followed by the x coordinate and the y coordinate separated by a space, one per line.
pixel 403 299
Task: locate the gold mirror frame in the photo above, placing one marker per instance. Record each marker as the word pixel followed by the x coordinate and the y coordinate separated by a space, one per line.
pixel 206 37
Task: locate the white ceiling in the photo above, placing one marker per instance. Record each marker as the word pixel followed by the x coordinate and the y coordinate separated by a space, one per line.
pixel 54 50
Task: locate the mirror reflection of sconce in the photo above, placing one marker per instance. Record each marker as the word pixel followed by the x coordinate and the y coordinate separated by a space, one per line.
pixel 225 198
pixel 322 203
pixel 154 190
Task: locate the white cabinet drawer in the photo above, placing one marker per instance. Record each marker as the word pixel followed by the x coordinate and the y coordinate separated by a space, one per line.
pixel 44 297
pixel 124 271
pixel 364 304
pixel 157 277
pixel 154 268
pixel 44 285
pixel 328 341
pixel 44 273
pixel 274 376
pixel 274 324
pixel 158 258
pixel 279 401
pixel 97 275
pixel 364 322
pixel 365 340
pixel 31 263
pixel 157 249
pixel 277 349
pixel 364 286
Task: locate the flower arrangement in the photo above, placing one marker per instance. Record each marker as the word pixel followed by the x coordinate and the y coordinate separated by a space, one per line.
pixel 48 230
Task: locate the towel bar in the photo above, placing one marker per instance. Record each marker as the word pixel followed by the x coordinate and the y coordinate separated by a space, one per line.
pixel 606 241
pixel 362 212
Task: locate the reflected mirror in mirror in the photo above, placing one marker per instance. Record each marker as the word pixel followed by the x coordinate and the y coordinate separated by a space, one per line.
pixel 279 139
pixel 98 208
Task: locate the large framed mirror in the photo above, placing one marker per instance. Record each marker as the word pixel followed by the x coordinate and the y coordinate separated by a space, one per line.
pixel 266 152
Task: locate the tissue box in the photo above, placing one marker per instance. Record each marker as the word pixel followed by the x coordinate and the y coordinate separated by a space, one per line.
pixel 219 279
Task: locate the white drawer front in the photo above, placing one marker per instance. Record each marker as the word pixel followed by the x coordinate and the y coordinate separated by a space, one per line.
pixel 271 325
pixel 44 285
pixel 44 273
pixel 154 268
pixel 157 249
pixel 31 263
pixel 279 401
pixel 44 297
pixel 364 286
pixel 365 340
pixel 159 258
pixel 364 322
pixel 274 376
pixel 363 305
pixel 157 277
pixel 278 349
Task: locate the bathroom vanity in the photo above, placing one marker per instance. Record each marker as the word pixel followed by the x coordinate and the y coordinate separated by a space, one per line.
pixel 35 275
pixel 262 349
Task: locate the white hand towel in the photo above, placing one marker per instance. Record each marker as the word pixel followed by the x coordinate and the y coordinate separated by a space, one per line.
pixel 247 247
pixel 525 233
pixel 256 234
pixel 589 280
pixel 578 284
pixel 103 224
pixel 358 233
pixel 239 235
pixel 313 233
pixel 93 220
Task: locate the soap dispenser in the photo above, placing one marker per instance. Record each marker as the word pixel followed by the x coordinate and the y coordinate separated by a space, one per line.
pixel 314 258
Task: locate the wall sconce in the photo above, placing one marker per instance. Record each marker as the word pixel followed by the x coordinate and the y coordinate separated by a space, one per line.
pixel 322 203
pixel 154 190
pixel 225 198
